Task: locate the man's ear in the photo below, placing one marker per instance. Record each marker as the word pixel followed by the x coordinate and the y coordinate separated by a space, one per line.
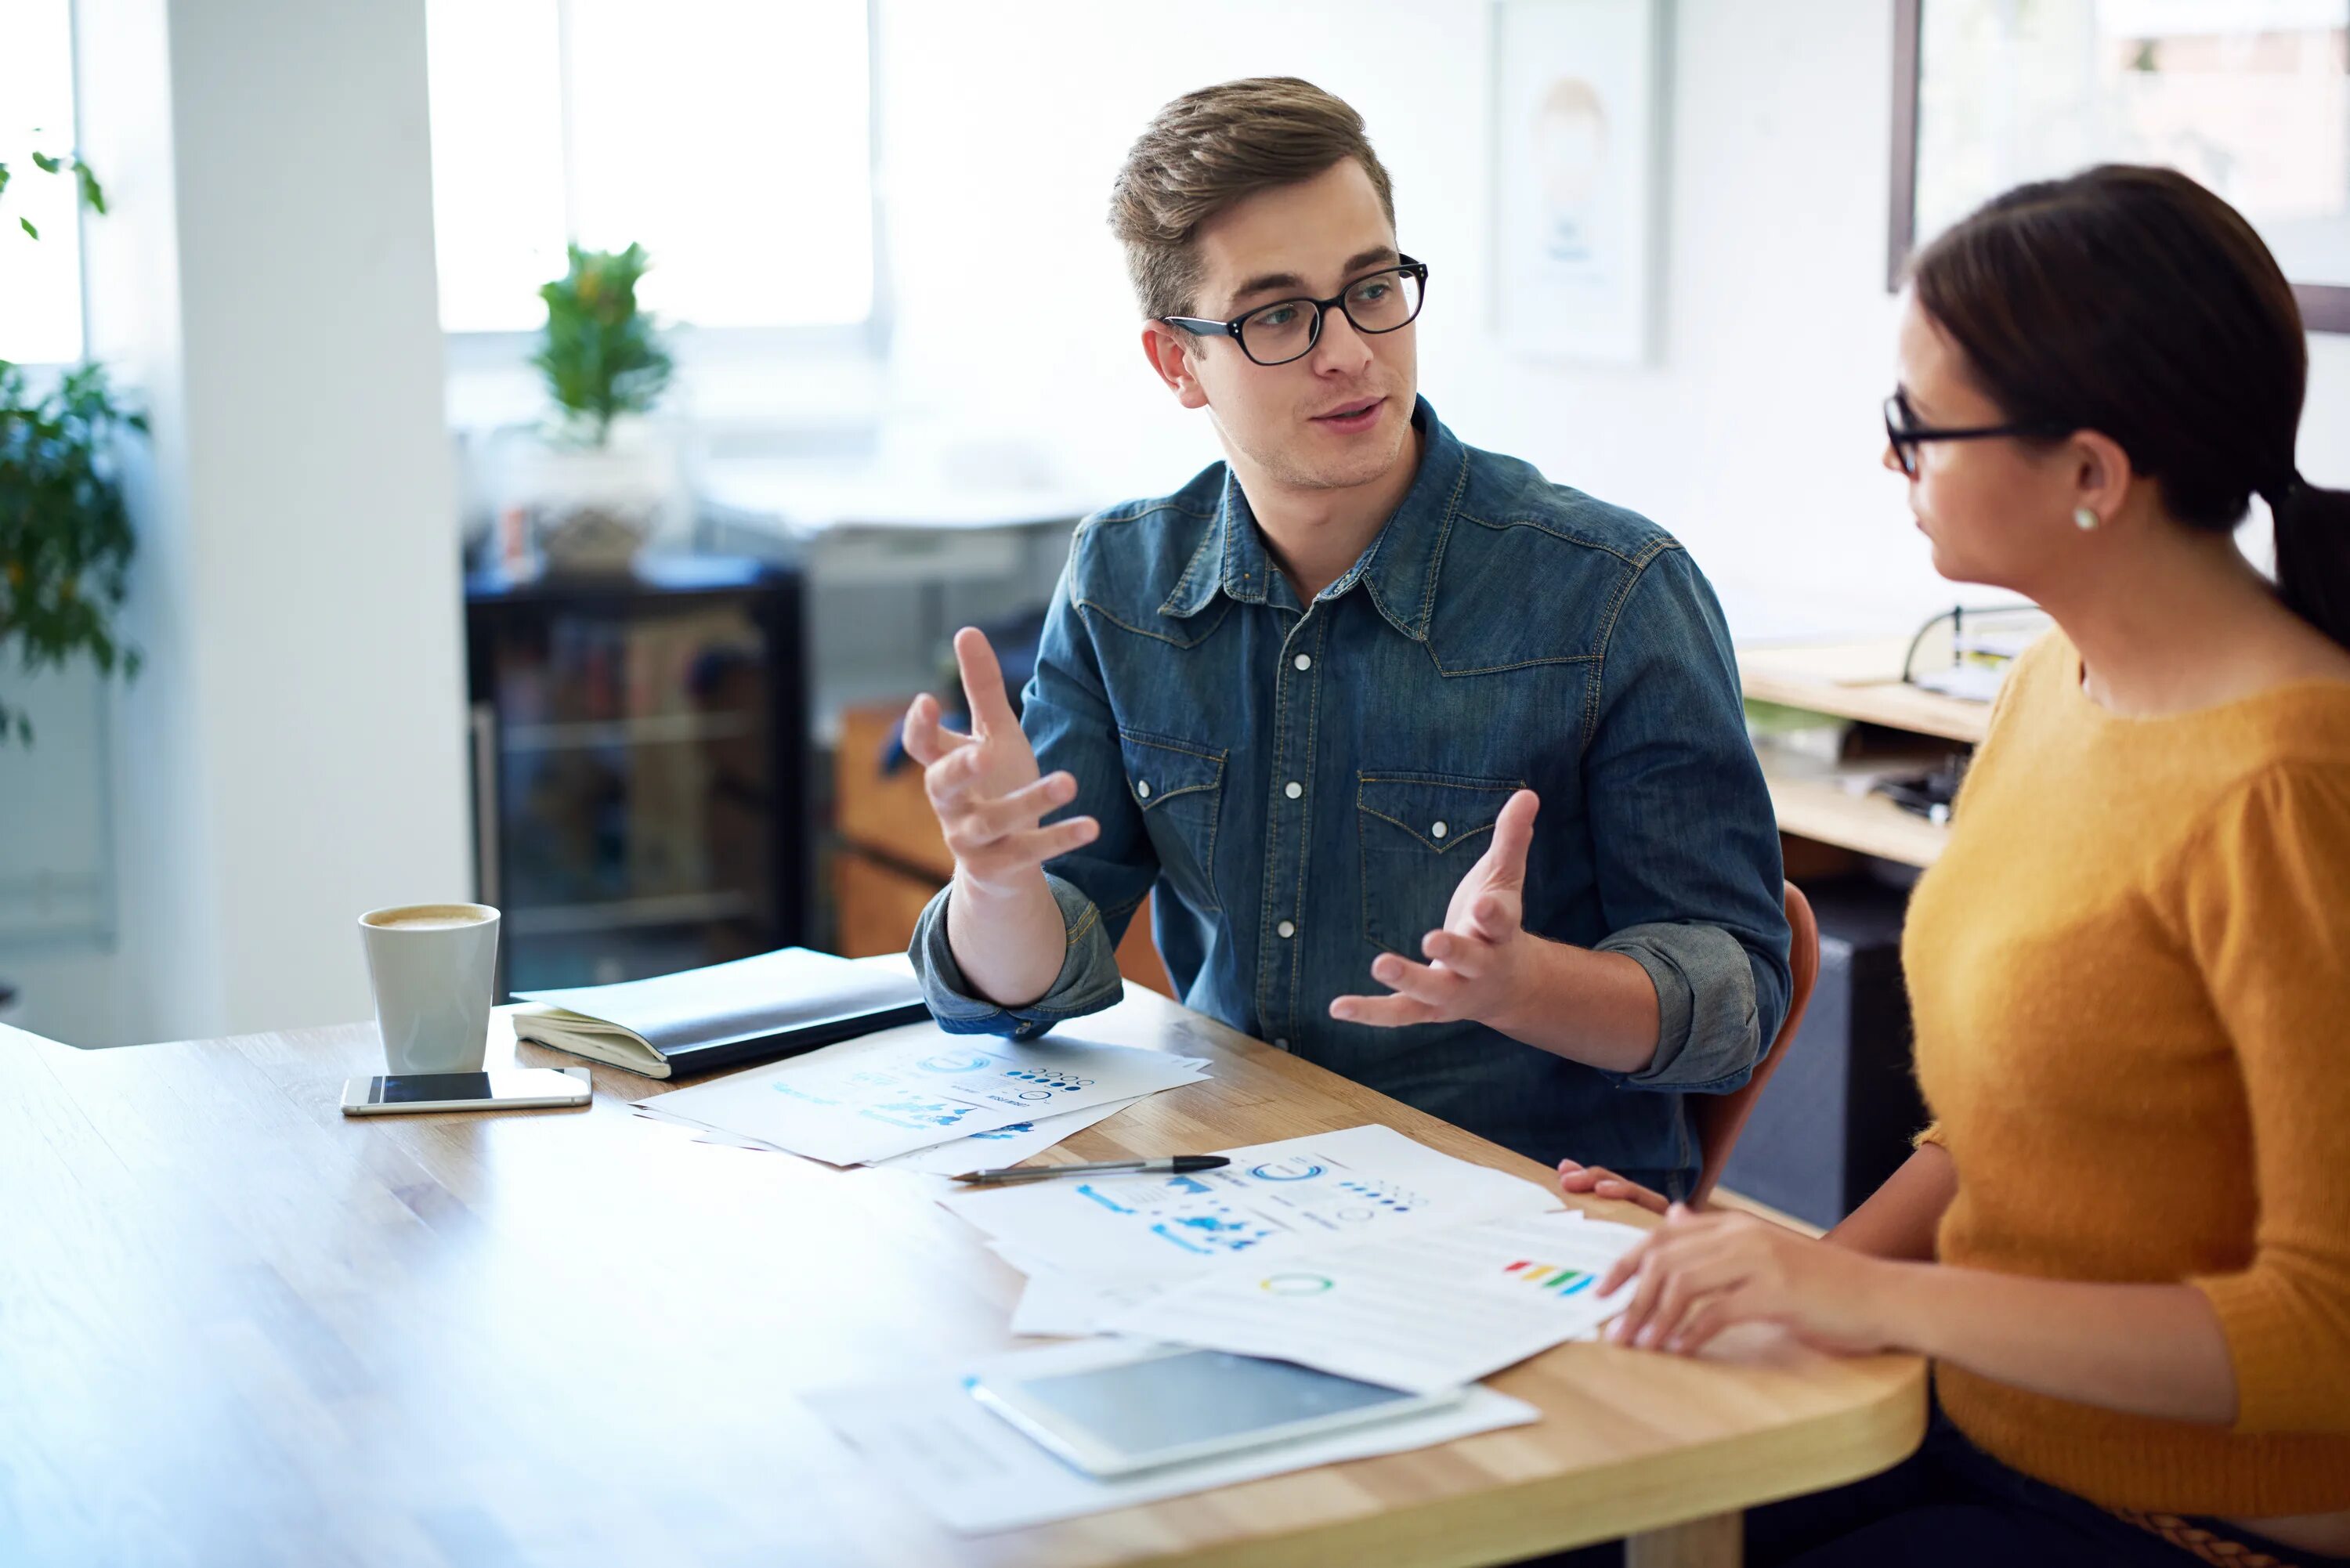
pixel 1173 354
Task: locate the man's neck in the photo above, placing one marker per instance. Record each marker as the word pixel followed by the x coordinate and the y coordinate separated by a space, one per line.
pixel 1315 535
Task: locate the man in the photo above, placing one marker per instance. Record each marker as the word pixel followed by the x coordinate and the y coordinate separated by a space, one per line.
pixel 1317 697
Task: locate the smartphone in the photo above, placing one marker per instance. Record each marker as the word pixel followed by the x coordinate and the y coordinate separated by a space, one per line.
pixel 517 1088
pixel 1169 1404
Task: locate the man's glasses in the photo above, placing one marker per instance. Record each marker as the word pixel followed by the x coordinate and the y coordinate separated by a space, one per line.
pixel 1904 433
pixel 1288 329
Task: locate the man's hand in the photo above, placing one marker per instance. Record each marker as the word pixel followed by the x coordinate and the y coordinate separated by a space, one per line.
pixel 1578 1180
pixel 984 787
pixel 1480 964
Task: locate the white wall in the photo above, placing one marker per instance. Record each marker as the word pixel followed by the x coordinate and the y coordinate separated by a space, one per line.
pixel 1755 435
pixel 294 753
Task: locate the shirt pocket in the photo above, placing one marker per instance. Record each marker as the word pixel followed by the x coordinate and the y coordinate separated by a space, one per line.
pixel 1179 786
pixel 1421 834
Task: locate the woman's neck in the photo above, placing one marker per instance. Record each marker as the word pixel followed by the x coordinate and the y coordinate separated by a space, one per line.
pixel 2178 620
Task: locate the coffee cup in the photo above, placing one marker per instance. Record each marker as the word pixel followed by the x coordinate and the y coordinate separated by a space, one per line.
pixel 434 967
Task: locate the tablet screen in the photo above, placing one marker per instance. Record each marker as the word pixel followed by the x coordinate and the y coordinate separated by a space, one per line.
pixel 1196 1395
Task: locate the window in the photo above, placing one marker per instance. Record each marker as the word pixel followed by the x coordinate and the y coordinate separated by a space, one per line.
pixel 731 141
pixel 40 280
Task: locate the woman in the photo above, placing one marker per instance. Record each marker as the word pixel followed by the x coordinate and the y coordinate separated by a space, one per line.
pixel 2125 1240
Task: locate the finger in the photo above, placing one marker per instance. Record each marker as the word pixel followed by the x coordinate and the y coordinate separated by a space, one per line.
pixel 1622 1191
pixel 1026 850
pixel 1437 987
pixel 988 820
pixel 1382 1012
pixel 948 781
pixel 1497 915
pixel 1626 1266
pixel 1725 1310
pixel 1464 956
pixel 983 684
pixel 926 736
pixel 1647 1284
pixel 1695 1282
pixel 1513 833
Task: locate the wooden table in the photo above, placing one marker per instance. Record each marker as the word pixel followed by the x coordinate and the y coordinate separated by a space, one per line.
pixel 236 1327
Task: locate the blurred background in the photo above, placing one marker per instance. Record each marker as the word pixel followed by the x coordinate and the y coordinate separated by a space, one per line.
pixel 572 428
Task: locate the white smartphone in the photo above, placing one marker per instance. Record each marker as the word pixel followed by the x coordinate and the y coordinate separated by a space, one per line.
pixel 1169 1404
pixel 514 1089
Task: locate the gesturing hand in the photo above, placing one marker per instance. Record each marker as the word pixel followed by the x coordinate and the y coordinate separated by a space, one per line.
pixel 1479 964
pixel 983 785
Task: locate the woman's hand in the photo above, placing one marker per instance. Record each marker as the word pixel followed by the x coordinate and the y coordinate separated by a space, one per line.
pixel 1701 1273
pixel 1598 1181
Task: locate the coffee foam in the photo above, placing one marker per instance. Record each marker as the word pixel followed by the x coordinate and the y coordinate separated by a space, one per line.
pixel 431 917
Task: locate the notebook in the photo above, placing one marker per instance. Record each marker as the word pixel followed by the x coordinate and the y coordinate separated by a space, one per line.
pixel 728 1014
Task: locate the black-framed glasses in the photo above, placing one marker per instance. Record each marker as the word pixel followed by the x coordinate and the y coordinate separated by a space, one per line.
pixel 1903 433
pixel 1381 301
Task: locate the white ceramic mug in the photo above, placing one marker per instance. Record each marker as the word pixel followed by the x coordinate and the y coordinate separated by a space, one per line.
pixel 432 967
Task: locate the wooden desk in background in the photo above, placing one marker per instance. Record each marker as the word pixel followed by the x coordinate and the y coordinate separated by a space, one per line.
pixel 1861 681
pixel 236 1326
pixel 891 858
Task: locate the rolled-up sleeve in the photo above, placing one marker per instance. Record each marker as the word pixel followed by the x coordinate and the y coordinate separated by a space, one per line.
pixel 1088 983
pixel 1706 1031
pixel 1686 846
pixel 1066 715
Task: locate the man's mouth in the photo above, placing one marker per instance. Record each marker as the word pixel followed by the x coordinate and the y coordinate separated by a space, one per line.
pixel 1350 415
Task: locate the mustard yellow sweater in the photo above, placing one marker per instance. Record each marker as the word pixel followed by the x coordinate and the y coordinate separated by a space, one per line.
pixel 2130 974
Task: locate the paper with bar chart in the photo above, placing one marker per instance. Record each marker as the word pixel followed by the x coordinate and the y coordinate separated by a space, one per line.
pixel 909 1088
pixel 1426 1310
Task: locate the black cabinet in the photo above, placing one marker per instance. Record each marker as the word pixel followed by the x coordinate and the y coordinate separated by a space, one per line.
pixel 641 766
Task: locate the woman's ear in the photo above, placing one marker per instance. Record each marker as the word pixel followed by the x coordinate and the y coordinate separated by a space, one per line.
pixel 2101 476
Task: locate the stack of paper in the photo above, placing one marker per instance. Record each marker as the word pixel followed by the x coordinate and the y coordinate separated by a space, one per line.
pixel 1095 1249
pixel 913 1088
pixel 1427 1310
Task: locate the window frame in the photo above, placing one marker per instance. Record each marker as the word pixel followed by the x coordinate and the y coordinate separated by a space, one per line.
pixel 492 348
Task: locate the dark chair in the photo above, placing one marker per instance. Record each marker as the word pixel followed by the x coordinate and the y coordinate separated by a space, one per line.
pixel 1719 1118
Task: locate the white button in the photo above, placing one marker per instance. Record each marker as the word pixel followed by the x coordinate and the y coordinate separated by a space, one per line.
pixel 1287 929
pixel 1304 662
pixel 1281 1044
pixel 1293 789
pixel 1439 831
pixel 1143 789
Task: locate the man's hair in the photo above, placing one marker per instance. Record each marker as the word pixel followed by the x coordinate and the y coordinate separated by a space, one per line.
pixel 1210 150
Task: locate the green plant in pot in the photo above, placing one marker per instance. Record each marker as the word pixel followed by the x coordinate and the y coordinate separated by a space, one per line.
pixel 603 362
pixel 66 541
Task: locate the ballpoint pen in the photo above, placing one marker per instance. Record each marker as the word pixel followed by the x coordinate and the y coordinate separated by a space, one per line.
pixel 1174 1165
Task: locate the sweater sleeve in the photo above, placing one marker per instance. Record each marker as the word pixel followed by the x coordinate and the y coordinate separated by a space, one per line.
pixel 2266 910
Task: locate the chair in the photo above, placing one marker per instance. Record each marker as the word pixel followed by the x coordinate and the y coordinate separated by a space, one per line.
pixel 1719 1118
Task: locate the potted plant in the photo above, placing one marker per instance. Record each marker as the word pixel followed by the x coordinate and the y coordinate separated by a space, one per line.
pixel 598 483
pixel 65 542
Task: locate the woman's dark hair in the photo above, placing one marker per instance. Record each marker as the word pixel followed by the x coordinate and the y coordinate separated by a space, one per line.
pixel 2133 302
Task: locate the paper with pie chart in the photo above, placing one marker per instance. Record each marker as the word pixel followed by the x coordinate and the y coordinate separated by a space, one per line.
pixel 1427 1310
pixel 1275 1198
pixel 909 1088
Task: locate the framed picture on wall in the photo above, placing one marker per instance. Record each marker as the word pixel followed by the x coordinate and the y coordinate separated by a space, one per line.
pixel 1578 101
pixel 2249 97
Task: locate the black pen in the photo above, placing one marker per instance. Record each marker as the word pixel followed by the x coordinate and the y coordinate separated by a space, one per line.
pixel 1174 1165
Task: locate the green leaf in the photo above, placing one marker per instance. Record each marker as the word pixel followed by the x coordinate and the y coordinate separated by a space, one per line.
pixel 92 196
pixel 45 163
pixel 26 225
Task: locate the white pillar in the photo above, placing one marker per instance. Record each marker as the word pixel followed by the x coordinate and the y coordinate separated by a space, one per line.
pixel 294 751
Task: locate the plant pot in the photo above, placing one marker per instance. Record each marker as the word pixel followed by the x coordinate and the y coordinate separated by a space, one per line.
pixel 590 509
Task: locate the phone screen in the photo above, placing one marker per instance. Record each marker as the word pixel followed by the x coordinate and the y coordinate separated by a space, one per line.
pixel 1197 1396
pixel 430 1089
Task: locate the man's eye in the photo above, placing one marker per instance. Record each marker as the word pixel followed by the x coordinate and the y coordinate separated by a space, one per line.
pixel 1279 315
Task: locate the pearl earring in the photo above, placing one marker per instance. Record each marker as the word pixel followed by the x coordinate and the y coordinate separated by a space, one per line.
pixel 2083 519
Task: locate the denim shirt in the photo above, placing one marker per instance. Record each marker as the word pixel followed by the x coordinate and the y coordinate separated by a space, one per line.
pixel 1306 786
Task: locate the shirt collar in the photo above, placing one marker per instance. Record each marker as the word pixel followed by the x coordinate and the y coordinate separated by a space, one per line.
pixel 1399 571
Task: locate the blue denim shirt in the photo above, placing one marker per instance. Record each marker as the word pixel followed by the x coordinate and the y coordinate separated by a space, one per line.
pixel 1306 786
